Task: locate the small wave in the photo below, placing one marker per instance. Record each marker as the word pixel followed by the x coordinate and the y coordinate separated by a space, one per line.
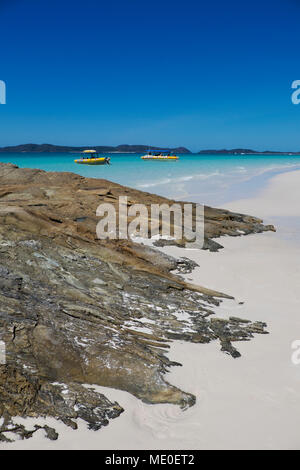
pixel 270 169
pixel 181 179
pixel 158 183
pixel 280 167
pixel 241 169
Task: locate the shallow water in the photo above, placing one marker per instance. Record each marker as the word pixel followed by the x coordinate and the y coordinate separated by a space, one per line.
pixel 213 179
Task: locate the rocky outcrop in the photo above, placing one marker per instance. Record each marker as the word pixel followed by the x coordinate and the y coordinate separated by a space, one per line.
pixel 77 310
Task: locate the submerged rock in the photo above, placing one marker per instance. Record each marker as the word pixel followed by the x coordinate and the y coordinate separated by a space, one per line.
pixel 79 311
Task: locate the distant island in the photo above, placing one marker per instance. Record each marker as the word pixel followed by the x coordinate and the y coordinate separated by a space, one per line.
pixel 125 148
pixel 243 152
pixel 49 148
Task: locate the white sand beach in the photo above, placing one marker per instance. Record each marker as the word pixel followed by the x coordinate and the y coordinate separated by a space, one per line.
pixel 279 199
pixel 246 403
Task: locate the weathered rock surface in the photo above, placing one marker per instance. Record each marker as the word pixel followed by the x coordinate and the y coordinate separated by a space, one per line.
pixel 77 310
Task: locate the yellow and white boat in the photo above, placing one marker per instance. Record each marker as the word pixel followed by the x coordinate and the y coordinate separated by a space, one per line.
pixel 91 157
pixel 160 156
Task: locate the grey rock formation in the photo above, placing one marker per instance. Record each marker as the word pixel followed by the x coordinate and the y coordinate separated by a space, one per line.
pixel 76 310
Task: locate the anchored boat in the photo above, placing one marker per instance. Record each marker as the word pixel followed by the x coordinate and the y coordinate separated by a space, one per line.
pixel 91 157
pixel 161 155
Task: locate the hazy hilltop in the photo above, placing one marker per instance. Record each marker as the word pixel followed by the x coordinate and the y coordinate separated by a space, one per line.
pixel 244 152
pixel 128 148
pixel 49 148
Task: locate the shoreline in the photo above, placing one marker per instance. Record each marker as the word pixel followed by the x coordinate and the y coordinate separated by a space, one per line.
pixel 250 402
pixel 93 311
pixel 213 181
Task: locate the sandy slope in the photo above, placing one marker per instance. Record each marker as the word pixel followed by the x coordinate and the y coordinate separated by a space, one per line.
pixel 280 198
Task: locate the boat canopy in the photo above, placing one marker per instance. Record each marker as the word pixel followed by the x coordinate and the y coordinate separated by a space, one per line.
pixel 89 151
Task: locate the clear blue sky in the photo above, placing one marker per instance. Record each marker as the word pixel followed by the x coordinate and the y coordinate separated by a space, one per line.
pixel 200 74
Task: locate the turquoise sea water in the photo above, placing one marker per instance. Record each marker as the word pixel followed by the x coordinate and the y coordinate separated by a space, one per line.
pixel 201 178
